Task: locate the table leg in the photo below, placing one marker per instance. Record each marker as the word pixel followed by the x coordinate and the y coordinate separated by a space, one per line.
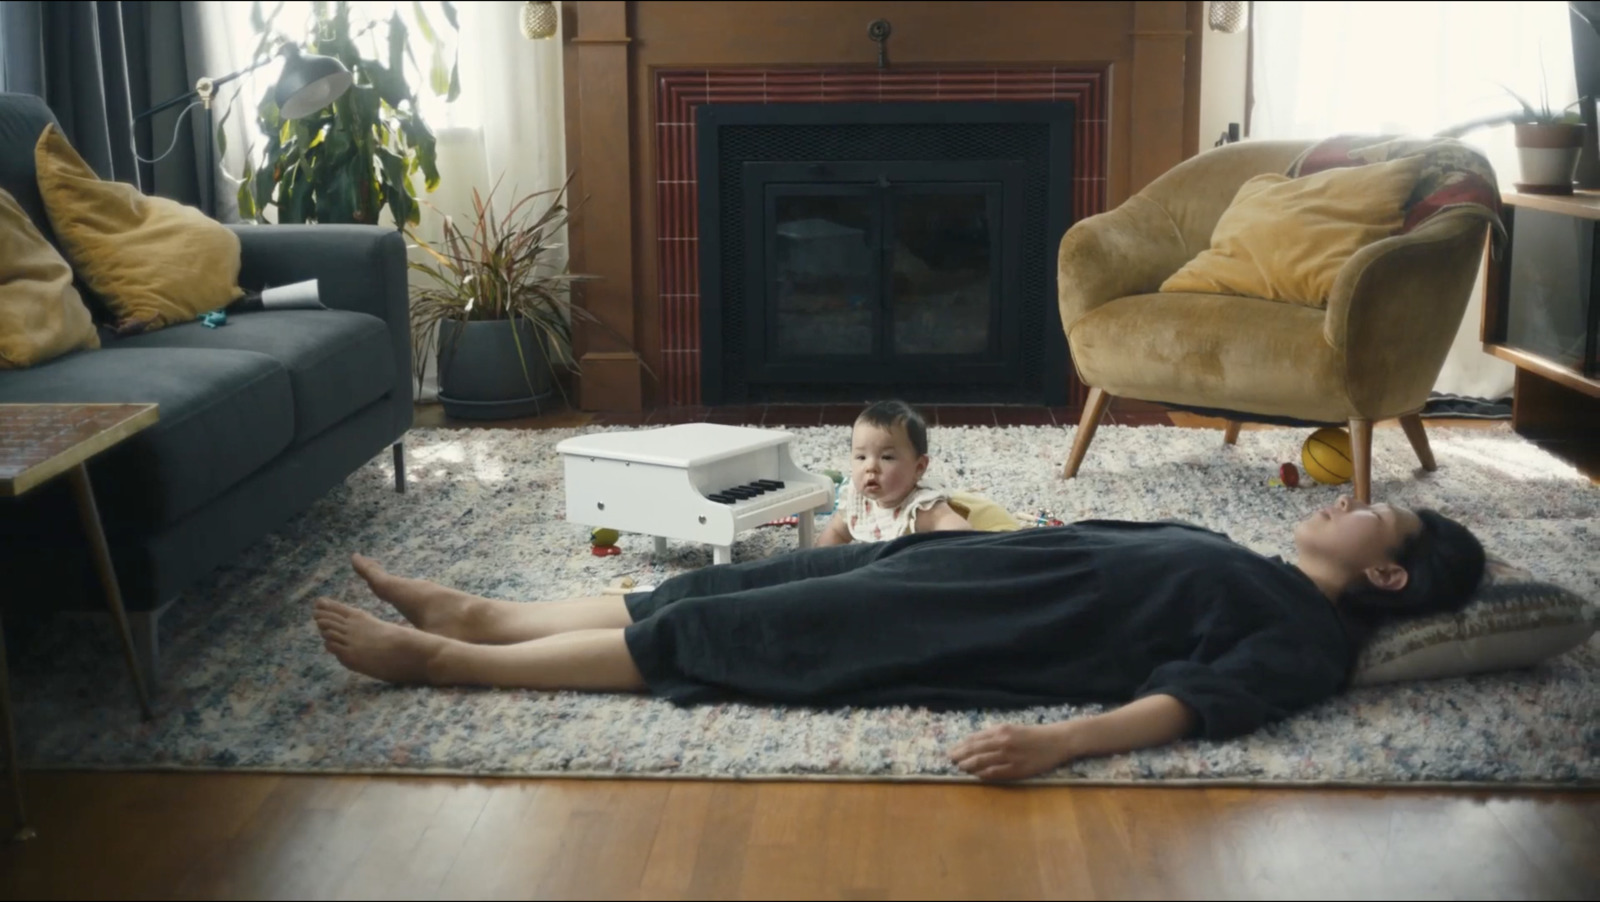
pixel 13 764
pixel 808 528
pixel 661 546
pixel 90 515
pixel 722 554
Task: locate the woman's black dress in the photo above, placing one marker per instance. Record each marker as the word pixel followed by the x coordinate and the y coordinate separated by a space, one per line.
pixel 1098 611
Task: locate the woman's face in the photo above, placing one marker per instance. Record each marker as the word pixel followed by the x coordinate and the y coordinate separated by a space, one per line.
pixel 1358 536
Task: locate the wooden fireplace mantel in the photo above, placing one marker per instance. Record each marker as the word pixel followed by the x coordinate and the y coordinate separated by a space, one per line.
pixel 1149 53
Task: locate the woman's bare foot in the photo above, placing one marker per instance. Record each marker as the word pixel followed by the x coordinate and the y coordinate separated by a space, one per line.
pixel 367 645
pixel 429 606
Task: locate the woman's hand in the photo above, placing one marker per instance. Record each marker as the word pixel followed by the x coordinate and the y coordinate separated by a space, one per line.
pixel 1013 751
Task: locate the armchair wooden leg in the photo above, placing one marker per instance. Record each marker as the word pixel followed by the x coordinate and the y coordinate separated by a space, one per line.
pixel 1231 435
pixel 1412 424
pixel 400 467
pixel 1093 409
pixel 1361 451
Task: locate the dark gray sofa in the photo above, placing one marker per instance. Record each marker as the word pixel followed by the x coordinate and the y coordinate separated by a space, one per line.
pixel 258 418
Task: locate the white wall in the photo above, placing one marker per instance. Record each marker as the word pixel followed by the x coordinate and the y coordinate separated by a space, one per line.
pixel 1222 65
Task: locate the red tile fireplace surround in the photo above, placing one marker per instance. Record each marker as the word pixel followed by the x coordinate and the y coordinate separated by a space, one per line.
pixel 679 92
pixel 635 72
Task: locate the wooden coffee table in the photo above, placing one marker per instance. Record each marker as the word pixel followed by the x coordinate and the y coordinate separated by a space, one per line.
pixel 39 442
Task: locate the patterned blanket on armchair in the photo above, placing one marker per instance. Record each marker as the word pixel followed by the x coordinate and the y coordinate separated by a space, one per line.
pixel 1454 175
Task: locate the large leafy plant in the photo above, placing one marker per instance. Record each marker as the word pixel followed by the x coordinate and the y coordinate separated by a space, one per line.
pixel 348 161
pixel 500 267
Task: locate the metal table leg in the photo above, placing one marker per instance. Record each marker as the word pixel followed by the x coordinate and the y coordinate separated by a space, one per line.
pixel 90 515
pixel 23 832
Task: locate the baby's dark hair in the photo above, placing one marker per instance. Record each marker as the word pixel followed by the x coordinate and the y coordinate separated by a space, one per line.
pixel 889 414
pixel 1444 564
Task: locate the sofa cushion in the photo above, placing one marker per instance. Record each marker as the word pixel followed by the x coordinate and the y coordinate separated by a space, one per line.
pixel 224 414
pixel 1186 349
pixel 338 361
pixel 41 314
pixel 154 261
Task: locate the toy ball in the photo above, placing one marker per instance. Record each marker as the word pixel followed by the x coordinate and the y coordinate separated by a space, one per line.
pixel 1289 475
pixel 1326 456
pixel 603 542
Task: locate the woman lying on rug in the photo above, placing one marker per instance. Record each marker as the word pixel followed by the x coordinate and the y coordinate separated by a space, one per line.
pixel 1205 637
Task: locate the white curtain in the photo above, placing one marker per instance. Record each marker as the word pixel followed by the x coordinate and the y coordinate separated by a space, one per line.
pixel 1324 68
pixel 507 125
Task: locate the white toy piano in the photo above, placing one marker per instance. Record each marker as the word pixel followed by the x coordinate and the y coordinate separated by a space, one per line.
pixel 698 482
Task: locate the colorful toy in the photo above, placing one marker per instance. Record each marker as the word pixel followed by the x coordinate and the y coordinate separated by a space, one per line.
pixel 1326 456
pixel 1288 475
pixel 213 319
pixel 603 542
pixel 1046 518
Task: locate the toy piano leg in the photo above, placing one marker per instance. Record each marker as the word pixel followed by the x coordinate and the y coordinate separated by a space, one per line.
pixel 721 554
pixel 661 546
pixel 808 528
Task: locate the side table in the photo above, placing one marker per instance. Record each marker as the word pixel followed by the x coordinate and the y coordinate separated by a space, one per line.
pixel 39 442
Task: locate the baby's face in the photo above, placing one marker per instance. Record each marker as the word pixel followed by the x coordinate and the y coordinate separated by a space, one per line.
pixel 883 465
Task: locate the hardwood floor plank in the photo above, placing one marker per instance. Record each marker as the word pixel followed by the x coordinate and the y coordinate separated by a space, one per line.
pixel 507 850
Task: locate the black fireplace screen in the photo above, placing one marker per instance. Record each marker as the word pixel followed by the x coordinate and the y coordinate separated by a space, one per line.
pixel 857 251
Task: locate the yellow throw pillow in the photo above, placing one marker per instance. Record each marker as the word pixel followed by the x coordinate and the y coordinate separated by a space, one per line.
pixel 1286 239
pixel 154 261
pixel 41 314
pixel 982 513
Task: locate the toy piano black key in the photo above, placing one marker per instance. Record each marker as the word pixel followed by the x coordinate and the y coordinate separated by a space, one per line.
pixel 722 498
pixel 769 484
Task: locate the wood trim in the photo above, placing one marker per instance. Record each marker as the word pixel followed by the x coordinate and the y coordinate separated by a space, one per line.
pixel 603 150
pixel 1554 372
pixel 1580 204
pixel 1158 91
pixel 1193 59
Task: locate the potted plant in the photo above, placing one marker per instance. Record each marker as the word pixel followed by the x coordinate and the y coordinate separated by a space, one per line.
pixel 347 162
pixel 1548 143
pixel 500 307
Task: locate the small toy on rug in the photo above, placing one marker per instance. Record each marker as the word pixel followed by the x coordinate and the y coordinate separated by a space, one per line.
pixel 1326 456
pixel 1288 475
pixel 622 585
pixel 603 542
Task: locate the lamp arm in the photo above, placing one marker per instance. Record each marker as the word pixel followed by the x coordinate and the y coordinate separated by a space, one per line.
pixel 203 89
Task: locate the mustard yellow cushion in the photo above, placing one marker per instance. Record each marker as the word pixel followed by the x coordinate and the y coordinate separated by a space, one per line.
pixel 982 513
pixel 41 314
pixel 1286 239
pixel 154 261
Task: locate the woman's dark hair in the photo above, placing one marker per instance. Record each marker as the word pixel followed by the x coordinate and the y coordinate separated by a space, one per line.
pixel 1444 564
pixel 889 414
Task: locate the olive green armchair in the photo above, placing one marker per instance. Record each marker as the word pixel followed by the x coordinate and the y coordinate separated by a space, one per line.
pixel 1373 354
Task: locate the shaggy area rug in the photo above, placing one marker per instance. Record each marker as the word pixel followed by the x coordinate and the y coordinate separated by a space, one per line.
pixel 247 685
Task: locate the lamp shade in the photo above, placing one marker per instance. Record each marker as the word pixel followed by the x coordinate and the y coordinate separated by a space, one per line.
pixel 309 82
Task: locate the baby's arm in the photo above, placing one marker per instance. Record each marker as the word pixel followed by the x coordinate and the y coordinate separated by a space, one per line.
pixel 837 532
pixel 941 516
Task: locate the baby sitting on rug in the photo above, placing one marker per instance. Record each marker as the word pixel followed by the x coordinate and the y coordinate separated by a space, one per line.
pixel 888 497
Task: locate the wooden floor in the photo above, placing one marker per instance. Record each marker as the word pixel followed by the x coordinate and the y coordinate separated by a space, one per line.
pixel 135 835
pixel 237 836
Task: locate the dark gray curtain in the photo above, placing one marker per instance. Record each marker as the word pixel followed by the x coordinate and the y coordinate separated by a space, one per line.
pixel 98 64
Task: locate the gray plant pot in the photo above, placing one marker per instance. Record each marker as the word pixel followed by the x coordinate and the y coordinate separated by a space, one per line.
pixel 481 376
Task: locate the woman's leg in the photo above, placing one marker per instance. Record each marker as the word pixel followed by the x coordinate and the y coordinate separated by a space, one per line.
pixel 469 618
pixel 595 660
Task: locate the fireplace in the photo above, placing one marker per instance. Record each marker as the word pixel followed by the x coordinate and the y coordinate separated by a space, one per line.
pixel 637 75
pixel 852 251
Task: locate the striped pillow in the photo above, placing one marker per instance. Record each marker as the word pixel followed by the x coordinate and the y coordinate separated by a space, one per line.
pixel 1515 621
